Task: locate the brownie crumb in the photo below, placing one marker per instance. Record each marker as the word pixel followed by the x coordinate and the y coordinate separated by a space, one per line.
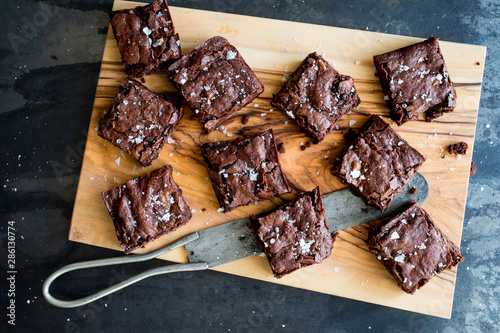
pixel 54 57
pixel 303 148
pixel 143 80
pixel 244 119
pixel 281 148
pixel 203 209
pixel 473 168
pixel 459 148
pixel 478 63
pixel 413 190
pixel 350 135
pixel 308 144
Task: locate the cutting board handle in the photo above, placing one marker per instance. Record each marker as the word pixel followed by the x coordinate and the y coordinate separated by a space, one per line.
pixel 118 261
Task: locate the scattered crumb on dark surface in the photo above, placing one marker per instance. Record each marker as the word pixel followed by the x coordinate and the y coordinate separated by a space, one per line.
pixel 458 148
pixel 413 190
pixel 143 80
pixel 308 144
pixel 303 148
pixel 244 119
pixel 102 31
pixel 350 135
pixel 473 168
pixel 54 57
pixel 281 148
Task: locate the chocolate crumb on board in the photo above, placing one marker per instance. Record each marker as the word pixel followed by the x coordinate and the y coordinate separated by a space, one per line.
pixel 303 148
pixel 350 135
pixel 459 148
pixel 281 148
pixel 473 168
pixel 244 119
pixel 413 190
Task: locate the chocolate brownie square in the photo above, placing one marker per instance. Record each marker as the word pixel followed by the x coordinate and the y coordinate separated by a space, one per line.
pixel 245 170
pixel 146 208
pixel 415 80
pixel 378 163
pixel 215 81
pixel 412 248
pixel 316 96
pixel 139 121
pixel 295 234
pixel 146 38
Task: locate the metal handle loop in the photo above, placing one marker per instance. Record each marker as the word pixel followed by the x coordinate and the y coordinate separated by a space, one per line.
pixel 125 283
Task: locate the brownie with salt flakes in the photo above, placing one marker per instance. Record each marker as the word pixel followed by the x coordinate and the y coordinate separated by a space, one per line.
pixel 378 164
pixel 415 80
pixel 146 208
pixel 215 80
pixel 139 121
pixel 146 38
pixel 412 248
pixel 245 170
pixel 295 234
pixel 316 96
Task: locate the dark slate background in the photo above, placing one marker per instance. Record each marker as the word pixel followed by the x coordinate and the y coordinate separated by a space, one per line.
pixel 45 107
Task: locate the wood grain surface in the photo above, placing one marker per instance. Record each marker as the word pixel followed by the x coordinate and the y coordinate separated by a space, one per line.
pixel 273 49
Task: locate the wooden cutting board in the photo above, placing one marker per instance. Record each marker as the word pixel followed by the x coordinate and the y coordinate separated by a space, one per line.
pixel 274 48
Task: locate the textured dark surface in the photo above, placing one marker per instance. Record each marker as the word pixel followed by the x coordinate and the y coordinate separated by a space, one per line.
pixel 412 248
pixel 295 234
pixel 245 170
pixel 45 111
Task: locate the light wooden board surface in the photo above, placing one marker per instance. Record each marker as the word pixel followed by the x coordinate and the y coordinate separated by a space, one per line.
pixel 273 48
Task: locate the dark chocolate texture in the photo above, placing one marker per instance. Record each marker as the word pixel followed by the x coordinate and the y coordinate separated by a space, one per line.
pixel 139 121
pixel 295 234
pixel 473 169
pixel 412 248
pixel 215 81
pixel 146 208
pixel 459 148
pixel 415 80
pixel 378 163
pixel 245 170
pixel 146 38
pixel 316 96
